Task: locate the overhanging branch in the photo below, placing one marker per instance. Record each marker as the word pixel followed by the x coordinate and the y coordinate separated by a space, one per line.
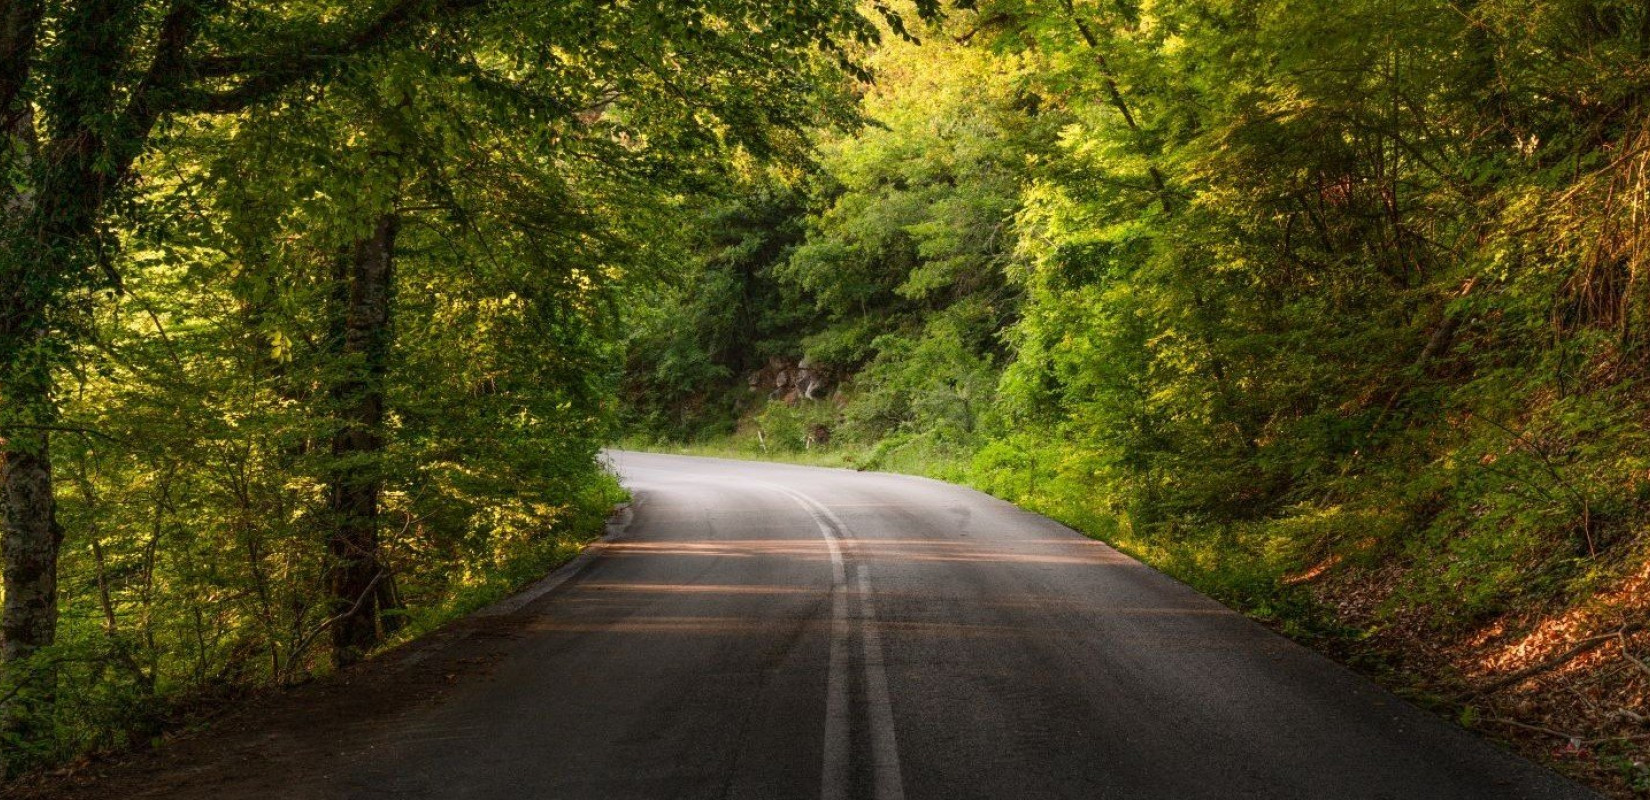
pixel 254 78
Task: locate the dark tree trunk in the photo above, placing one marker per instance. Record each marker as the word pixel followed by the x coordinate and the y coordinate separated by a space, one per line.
pixel 30 548
pixel 100 122
pixel 48 250
pixel 32 537
pixel 360 582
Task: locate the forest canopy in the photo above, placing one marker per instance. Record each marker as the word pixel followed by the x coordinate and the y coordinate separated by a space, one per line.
pixel 309 313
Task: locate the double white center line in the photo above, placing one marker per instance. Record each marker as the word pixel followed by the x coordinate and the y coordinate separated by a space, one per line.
pixel 836 782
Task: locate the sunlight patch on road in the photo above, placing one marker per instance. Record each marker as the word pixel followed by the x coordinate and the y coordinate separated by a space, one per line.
pixel 697 588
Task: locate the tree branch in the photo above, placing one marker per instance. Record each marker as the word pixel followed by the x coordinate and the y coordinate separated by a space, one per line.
pixel 304 643
pixel 1584 646
pixel 1115 94
pixel 262 76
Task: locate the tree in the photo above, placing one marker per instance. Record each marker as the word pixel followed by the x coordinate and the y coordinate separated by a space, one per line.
pixel 422 140
pixel 104 75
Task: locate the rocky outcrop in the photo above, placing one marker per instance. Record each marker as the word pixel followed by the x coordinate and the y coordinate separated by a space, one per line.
pixel 790 380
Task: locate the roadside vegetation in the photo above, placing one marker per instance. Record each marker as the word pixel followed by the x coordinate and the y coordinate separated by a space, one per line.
pixel 314 317
pixel 309 315
pixel 1335 310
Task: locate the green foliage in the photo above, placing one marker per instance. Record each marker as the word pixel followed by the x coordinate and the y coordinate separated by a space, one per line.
pixel 788 428
pixel 247 414
pixel 886 262
pixel 1259 291
pixel 691 341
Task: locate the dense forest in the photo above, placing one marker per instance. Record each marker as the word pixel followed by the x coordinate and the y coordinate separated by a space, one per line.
pixel 316 316
pixel 1334 310
pixel 309 314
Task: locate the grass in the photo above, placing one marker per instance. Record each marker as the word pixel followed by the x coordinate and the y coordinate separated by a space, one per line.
pixel 735 449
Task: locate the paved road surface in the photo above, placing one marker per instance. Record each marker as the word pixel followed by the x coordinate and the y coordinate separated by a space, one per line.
pixel 766 631
pixel 771 632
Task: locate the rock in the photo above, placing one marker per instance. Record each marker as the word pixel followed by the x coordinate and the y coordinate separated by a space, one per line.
pixel 790 381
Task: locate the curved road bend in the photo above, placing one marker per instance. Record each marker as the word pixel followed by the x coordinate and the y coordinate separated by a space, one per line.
pixel 766 631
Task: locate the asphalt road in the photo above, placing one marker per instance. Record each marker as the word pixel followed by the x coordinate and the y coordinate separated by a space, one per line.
pixel 765 631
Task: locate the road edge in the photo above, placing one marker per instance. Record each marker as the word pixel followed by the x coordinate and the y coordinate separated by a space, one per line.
pixel 618 523
pixel 458 629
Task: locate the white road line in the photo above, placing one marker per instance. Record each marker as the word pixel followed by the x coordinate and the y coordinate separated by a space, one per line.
pixel 884 749
pixel 836 779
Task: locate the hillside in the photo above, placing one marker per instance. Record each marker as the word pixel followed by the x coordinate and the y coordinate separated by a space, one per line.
pixel 1333 311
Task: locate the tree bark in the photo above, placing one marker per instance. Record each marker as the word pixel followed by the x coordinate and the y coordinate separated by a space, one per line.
pixel 28 552
pixel 359 581
pixel 32 537
pixel 48 252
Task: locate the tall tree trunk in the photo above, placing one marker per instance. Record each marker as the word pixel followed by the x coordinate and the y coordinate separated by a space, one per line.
pixel 32 537
pixel 33 272
pixel 359 581
pixel 47 250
